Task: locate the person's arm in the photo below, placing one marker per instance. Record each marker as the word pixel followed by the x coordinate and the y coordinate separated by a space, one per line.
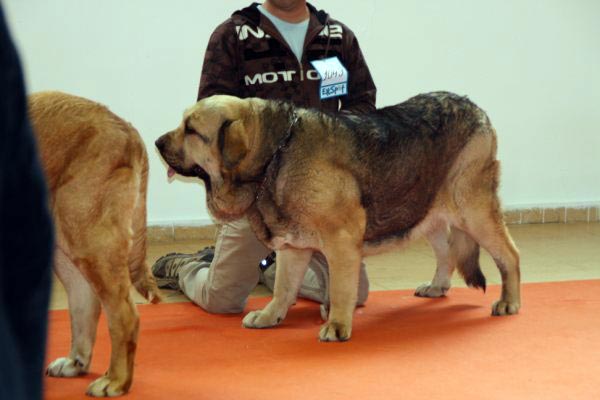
pixel 361 88
pixel 221 62
pixel 25 229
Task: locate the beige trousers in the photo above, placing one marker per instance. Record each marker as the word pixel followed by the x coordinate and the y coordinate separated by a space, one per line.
pixel 224 285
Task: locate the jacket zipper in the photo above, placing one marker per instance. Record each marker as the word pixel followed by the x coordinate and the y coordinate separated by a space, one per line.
pixel 309 39
pixel 275 33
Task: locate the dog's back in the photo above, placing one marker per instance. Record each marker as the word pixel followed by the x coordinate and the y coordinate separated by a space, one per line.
pixel 73 130
pixel 410 149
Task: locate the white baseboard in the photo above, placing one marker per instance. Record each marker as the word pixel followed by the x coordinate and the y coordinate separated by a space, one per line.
pixel 205 229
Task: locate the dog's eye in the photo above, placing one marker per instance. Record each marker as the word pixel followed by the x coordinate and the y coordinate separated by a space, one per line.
pixel 189 130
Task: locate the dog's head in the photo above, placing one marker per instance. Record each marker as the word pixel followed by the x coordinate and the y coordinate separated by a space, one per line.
pixel 212 143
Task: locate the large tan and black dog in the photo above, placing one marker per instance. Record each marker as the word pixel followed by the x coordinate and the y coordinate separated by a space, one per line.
pixel 349 186
pixel 97 169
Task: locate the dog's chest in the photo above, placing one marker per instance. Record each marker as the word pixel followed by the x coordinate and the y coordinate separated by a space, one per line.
pixel 277 232
pixel 291 234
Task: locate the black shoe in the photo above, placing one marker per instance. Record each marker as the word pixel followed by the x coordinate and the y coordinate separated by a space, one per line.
pixel 166 269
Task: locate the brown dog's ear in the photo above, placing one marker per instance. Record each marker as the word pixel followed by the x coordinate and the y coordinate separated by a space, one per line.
pixel 233 143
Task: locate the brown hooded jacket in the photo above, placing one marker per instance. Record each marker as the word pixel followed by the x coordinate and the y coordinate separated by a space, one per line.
pixel 248 57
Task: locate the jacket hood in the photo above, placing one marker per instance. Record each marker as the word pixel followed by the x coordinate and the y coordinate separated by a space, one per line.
pixel 252 14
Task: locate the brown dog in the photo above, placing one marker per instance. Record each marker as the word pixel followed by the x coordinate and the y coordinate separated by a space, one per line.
pixel 349 186
pixel 97 169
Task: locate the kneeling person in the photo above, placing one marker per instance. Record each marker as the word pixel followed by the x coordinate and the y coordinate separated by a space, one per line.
pixel 293 33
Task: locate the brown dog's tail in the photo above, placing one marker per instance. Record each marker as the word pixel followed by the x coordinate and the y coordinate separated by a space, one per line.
pixel 465 253
pixel 145 284
pixel 139 271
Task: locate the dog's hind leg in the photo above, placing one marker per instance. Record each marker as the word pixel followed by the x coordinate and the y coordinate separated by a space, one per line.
pixel 104 254
pixel 491 233
pixel 84 309
pixel 110 277
pixel 476 211
pixel 290 270
pixel 482 220
pixel 438 238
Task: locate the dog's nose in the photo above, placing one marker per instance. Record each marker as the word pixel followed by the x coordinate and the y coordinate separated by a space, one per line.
pixel 161 142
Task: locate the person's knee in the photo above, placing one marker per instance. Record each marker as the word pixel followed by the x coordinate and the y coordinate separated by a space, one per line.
pixel 215 304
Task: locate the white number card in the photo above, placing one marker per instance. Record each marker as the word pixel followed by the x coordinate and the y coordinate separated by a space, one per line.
pixel 334 77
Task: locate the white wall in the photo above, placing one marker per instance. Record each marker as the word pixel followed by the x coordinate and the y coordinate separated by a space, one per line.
pixel 534 66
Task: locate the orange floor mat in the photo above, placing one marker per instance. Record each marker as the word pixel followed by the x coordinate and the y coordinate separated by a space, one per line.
pixel 402 347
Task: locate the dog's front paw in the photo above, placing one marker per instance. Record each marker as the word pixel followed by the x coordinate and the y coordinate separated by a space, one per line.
pixel 335 332
pixel 66 367
pixel 428 290
pixel 260 319
pixel 105 387
pixel 503 307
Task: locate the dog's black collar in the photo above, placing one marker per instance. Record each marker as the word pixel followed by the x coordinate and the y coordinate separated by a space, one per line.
pixel 273 165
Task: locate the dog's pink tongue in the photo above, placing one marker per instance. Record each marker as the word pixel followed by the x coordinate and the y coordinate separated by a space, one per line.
pixel 170 172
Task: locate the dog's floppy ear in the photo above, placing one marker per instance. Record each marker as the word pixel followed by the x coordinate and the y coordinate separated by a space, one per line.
pixel 233 143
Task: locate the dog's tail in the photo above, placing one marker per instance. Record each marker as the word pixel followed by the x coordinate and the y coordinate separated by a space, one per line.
pixel 465 255
pixel 139 271
pixel 145 284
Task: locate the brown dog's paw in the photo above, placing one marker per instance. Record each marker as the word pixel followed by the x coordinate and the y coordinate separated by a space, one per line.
pixel 428 290
pixel 104 387
pixel 502 307
pixel 66 367
pixel 260 319
pixel 335 332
